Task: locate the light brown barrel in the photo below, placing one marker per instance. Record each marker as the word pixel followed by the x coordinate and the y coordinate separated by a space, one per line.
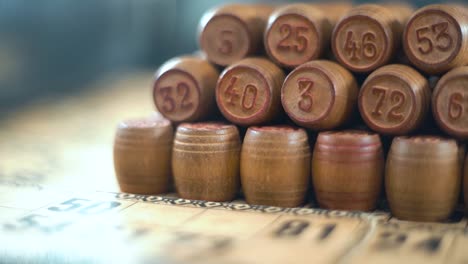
pixel 248 92
pixel 275 165
pixel 450 102
pixel 423 177
pixel 142 155
pixel 347 170
pixel 232 32
pixel 300 32
pixel 435 39
pixel 394 99
pixel 319 95
pixel 369 35
pixel 184 89
pixel 205 161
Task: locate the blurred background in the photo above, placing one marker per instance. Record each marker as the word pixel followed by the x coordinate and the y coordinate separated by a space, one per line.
pixel 58 47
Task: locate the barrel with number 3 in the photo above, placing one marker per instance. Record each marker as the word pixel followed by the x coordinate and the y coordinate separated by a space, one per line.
pixel 450 102
pixel 369 35
pixel 298 33
pixel 248 92
pixel 319 95
pixel 232 32
pixel 436 38
pixel 394 99
pixel 184 89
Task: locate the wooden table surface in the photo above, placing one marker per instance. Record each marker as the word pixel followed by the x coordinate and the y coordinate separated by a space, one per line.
pixel 59 203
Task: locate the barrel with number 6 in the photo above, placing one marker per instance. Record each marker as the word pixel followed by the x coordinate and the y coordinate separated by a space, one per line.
pixel 369 35
pixel 232 32
pixel 298 33
pixel 319 95
pixel 450 102
pixel 394 99
pixel 248 92
pixel 435 39
pixel 184 88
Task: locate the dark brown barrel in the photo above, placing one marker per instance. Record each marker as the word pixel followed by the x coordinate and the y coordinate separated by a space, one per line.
pixel 347 170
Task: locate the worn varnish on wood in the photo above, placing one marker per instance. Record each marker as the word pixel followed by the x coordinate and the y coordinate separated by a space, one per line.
pixel 184 89
pixel 423 177
pixel 347 170
pixel 232 32
pixel 319 95
pixel 248 92
pixel 394 99
pixel 275 166
pixel 435 39
pixel 205 161
pixel 142 155
pixel 369 35
pixel 298 33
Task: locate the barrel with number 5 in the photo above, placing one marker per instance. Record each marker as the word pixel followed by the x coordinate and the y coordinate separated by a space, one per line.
pixel 319 95
pixel 435 39
pixel 298 33
pixel 248 92
pixel 184 89
pixel 232 32
pixel 369 35
pixel 394 99
pixel 450 102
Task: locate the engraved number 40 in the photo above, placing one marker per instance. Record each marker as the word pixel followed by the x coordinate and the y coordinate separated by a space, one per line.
pixel 248 96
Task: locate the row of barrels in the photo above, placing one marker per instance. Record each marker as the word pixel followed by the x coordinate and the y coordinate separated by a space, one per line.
pixel 276 166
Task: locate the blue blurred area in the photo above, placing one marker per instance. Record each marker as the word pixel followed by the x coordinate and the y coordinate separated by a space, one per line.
pixel 59 46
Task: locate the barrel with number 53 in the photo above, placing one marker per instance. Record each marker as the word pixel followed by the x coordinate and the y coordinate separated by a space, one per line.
pixel 184 89
pixel 232 32
pixel 300 32
pixel 248 92
pixel 369 35
pixel 435 39
pixel 319 95
pixel 450 102
pixel 394 99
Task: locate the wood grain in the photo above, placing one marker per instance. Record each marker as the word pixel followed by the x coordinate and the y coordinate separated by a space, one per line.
pixel 275 165
pixel 142 155
pixel 423 177
pixel 347 170
pixel 205 161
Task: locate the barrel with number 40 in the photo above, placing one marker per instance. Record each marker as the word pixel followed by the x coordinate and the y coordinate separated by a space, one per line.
pixel 248 92
pixel 184 89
